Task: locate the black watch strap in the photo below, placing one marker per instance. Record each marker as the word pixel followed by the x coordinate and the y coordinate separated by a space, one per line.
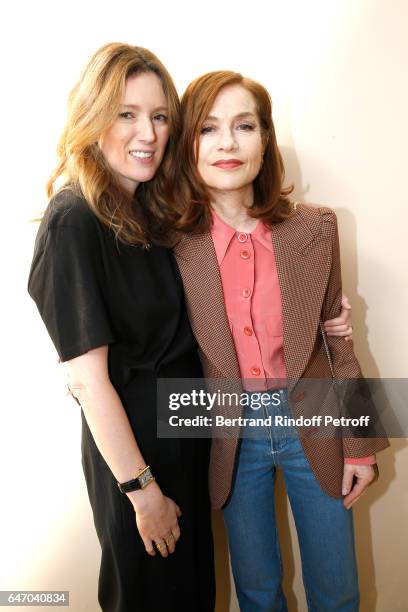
pixel 140 482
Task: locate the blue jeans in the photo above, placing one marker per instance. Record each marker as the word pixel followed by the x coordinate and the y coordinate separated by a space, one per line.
pixel 324 527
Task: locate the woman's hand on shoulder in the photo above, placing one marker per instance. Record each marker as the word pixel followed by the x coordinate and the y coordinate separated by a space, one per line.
pixel 156 519
pixel 341 325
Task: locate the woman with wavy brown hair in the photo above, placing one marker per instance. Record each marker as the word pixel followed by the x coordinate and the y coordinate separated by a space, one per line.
pixel 273 267
pixel 109 292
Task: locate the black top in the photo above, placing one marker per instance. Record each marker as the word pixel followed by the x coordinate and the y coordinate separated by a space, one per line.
pixel 92 290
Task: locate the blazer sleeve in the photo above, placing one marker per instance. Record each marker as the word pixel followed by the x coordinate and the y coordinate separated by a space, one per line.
pixel 345 363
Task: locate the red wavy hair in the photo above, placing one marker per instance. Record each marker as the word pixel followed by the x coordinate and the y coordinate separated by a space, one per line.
pixel 189 193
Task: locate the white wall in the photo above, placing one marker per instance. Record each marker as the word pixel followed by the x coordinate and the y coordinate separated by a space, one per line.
pixel 338 78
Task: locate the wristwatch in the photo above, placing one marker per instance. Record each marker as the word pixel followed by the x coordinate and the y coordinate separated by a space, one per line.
pixel 140 481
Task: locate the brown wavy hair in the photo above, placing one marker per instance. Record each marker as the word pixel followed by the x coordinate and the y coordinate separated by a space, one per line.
pixel 93 106
pixel 190 195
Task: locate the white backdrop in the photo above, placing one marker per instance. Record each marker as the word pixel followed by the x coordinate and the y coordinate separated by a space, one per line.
pixel 337 74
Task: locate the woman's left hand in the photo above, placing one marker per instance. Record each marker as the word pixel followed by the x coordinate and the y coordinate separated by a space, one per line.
pixel 341 325
pixel 364 474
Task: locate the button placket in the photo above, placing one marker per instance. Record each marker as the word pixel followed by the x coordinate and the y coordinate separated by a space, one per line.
pixel 248 279
pixel 246 275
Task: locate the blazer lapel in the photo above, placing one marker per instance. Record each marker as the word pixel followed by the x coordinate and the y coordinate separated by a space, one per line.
pixel 197 262
pixel 303 260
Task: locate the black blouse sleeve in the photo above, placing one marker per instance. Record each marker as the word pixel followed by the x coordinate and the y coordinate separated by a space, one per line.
pixel 66 280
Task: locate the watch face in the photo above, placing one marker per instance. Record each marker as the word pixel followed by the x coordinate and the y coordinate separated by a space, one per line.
pixel 145 478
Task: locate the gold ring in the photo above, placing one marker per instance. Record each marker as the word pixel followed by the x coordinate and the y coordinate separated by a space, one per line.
pixel 158 546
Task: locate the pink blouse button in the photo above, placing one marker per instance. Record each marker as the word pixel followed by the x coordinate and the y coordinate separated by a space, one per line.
pixel 248 331
pixel 246 292
pixel 255 371
pixel 245 254
pixel 242 237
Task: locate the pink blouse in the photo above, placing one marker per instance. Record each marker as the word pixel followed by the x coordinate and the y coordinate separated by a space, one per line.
pixel 253 305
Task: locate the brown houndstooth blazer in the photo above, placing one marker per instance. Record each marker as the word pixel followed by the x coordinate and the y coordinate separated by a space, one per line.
pixel 308 261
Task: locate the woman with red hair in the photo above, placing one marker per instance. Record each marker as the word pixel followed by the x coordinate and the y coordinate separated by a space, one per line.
pixel 260 273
